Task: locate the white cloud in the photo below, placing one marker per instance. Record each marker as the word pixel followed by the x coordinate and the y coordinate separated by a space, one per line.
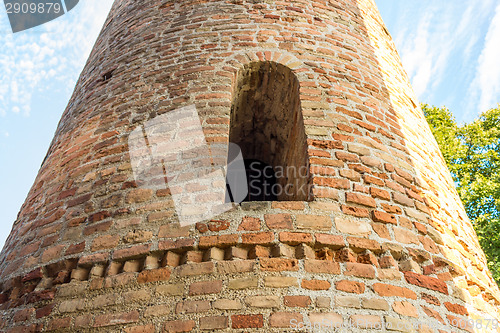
pixel 486 84
pixel 424 52
pixel 6 134
pixel 415 55
pixel 443 31
pixel 47 57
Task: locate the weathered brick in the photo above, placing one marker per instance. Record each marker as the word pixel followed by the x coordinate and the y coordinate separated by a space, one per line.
pixel 303 251
pixel 291 205
pixel 218 241
pixel 375 304
pixel 333 241
pixel 132 252
pixel 316 284
pixel 346 156
pixel 179 244
pixel 320 266
pixel 385 290
pixel 297 301
pixel 353 227
pixel 396 324
pixel 405 308
pixel 433 314
pixel 157 311
pixel 44 311
pixel 280 281
pixel 192 307
pixel 83 321
pixel 405 236
pixel 456 308
pixel 205 287
pixel 103 301
pixel 152 275
pixel 59 323
pixel 52 253
pixel 170 289
pixel 136 296
pixel 360 199
pixel 368 258
pixel 426 282
pixel 360 270
pixel 72 305
pixel 461 323
pixel 33 275
pixel 345 255
pixel 402 199
pixel 227 304
pixel 315 222
pixel 338 183
pixel 333 319
pixel 361 244
pixel 355 211
pixel 278 221
pixel 247 321
pixel 23 315
pixel 141 329
pixel 214 323
pixel 261 238
pixel 173 230
pixel 295 238
pixel 380 194
pixel 243 283
pixel 239 266
pixel 278 264
pixel 285 319
pixel 350 286
pixel 382 230
pixel 178 326
pixel 250 224
pixel 263 301
pixel 139 195
pixel 383 217
pixel 116 319
pixel 132 266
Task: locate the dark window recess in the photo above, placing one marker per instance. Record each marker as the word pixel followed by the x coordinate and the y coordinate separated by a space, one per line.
pixel 267 125
pixel 261 180
pixel 108 75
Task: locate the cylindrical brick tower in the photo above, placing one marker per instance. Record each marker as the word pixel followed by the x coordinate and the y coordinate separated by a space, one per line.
pixel 379 238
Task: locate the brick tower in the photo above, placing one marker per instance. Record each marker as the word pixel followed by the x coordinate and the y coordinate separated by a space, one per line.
pixel 379 237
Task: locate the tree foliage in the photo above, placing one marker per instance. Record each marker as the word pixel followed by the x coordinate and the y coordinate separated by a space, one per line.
pixel 472 153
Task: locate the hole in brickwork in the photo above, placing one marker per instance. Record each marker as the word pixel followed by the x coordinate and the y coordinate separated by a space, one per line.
pixel 267 124
pixel 108 75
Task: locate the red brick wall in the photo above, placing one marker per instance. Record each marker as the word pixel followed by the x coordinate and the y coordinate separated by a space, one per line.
pixel 385 239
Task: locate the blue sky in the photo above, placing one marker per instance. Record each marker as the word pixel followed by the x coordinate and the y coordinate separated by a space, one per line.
pixel 450 49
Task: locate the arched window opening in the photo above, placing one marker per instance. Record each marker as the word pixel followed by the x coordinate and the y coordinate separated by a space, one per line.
pixel 267 125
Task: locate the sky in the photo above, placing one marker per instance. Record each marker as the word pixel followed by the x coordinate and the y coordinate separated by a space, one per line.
pixel 450 50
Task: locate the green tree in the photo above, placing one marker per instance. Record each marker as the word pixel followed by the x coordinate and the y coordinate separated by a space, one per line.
pixel 472 153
